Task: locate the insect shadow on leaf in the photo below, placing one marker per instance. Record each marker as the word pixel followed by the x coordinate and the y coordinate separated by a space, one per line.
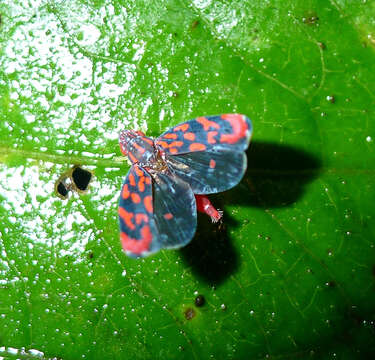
pixel 211 254
pixel 276 177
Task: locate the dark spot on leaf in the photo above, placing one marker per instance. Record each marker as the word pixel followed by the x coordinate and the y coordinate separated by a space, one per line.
pixel 81 178
pixel 331 284
pixel 322 45
pixel 189 313
pixel 310 18
pixel 90 255
pixel 194 24
pixel 199 301
pixel 331 99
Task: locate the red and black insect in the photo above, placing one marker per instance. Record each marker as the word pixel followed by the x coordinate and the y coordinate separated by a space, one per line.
pixel 171 175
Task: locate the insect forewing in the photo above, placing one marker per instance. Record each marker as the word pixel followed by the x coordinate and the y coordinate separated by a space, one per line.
pixel 209 171
pixel 175 210
pixel 231 132
pixel 137 225
pixel 208 152
pixel 155 212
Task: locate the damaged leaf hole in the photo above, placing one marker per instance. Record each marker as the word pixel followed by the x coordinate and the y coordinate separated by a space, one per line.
pixel 75 179
pixel 322 45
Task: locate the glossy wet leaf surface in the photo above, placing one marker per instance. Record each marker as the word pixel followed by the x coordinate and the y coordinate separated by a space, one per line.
pixel 289 273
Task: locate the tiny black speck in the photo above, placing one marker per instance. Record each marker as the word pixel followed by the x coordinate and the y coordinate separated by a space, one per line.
pixel 199 301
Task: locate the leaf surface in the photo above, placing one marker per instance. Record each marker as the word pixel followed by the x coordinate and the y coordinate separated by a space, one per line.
pixel 289 273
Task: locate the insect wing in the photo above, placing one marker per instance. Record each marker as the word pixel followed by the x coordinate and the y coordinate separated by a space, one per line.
pixel 230 132
pixel 137 225
pixel 175 211
pixel 210 171
pixel 155 212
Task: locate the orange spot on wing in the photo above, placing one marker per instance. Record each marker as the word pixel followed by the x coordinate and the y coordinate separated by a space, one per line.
pixel 176 144
pixel 137 246
pixel 148 203
pixel 170 136
pixel 182 127
pixel 189 136
pixel 141 217
pixel 131 179
pixel 141 184
pixel 212 163
pixel 239 128
pixel 197 147
pixel 140 149
pixel 135 198
pixel 168 216
pixel 125 191
pixel 211 137
pixel 148 140
pixel 148 180
pixel 138 171
pixel 126 217
pixel 163 144
pixel 207 124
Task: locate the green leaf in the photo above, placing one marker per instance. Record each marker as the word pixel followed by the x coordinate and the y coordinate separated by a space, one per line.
pixel 290 272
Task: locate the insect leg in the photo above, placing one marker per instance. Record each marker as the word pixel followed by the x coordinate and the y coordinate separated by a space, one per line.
pixel 204 205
